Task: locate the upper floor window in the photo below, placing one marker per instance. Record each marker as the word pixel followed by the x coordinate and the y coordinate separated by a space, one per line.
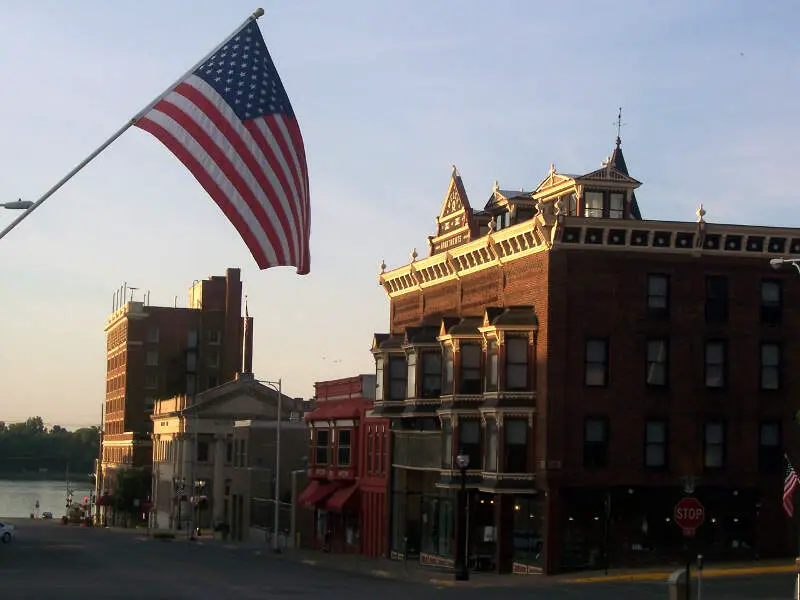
pixel 658 296
pixel 595 442
pixel 490 464
pixel 431 374
pixel 516 363
pixel 593 204
pixel 470 369
pixel 397 378
pixel 716 299
pixel 151 358
pixel 321 448
pixel 491 366
pixel 191 338
pixel 447 445
pixel 716 352
pixel 770 453
pixel 570 205
pixel 411 382
pixel 202 451
pixel 152 334
pixel 516 448
pixel 447 384
pixel 596 367
pixel 616 205
pixel 771 301
pixel 655 442
pixel 343 437
pixel 770 366
pixel 379 377
pixel 714 445
pixel 214 336
pixel 469 441
pixel 657 363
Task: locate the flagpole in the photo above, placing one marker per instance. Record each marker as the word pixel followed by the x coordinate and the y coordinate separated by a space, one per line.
pixel 258 13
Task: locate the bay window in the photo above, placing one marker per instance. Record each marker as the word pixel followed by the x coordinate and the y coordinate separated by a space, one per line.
pixel 490 464
pixel 411 385
pixel 491 366
pixel 397 378
pixel 516 363
pixel 516 446
pixel 431 374
pixel 470 379
pixel 379 378
pixel 447 384
pixel 470 441
pixel 321 448
pixel 343 440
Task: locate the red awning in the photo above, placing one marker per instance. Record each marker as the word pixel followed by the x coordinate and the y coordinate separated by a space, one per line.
pixel 341 497
pixel 316 492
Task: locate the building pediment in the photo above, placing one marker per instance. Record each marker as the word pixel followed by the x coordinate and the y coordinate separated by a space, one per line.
pixel 553 181
pixel 610 174
pixel 454 223
pixel 242 399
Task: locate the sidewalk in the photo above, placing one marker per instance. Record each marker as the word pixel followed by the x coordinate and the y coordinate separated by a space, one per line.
pixel 412 571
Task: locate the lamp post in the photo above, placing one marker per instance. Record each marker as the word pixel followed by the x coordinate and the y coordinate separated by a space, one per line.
pixel 777 263
pixel 276 386
pixel 462 537
pixel 18 205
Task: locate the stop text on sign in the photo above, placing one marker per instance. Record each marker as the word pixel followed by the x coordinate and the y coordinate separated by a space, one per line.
pixel 690 513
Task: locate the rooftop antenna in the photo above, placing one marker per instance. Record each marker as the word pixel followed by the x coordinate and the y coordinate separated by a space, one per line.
pixel 619 125
pixel 132 289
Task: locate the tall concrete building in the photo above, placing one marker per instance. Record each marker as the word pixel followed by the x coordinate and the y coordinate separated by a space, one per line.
pixel 155 352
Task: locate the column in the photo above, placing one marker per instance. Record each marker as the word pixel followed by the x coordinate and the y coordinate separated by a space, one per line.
pixel 218 482
pixel 504 534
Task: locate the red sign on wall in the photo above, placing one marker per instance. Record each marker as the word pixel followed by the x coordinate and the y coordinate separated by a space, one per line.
pixel 689 515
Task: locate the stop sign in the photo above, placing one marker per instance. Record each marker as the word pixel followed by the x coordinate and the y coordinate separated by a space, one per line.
pixel 689 515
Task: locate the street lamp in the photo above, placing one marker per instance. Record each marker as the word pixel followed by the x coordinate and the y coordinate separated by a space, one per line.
pixel 276 386
pixel 461 570
pixel 18 205
pixel 777 263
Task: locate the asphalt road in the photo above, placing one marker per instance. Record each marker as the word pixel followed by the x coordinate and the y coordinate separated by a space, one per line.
pixel 52 561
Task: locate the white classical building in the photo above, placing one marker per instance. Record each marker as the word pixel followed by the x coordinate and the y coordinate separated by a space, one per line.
pixel 196 455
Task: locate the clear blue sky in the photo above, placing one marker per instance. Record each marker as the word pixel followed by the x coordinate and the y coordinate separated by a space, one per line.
pixel 389 95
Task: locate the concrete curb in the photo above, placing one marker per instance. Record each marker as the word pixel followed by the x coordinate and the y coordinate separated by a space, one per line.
pixel 664 575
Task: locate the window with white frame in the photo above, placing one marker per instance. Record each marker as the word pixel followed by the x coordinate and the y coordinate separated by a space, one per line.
pixel 343 440
pixel 470 369
pixel 431 374
pixel 411 386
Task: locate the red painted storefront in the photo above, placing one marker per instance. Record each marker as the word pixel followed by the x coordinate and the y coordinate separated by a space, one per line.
pixel 348 468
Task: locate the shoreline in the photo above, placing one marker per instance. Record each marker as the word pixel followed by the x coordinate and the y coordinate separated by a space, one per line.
pixel 50 476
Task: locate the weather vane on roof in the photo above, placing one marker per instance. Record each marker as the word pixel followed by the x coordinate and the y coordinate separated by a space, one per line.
pixel 619 125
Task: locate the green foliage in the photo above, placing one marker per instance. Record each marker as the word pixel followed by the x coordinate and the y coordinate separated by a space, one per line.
pixel 29 447
pixel 131 485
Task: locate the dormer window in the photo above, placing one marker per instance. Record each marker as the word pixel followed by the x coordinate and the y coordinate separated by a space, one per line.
pixel 470 380
pixel 502 220
pixel 491 366
pixel 516 363
pixel 593 205
pixel 616 205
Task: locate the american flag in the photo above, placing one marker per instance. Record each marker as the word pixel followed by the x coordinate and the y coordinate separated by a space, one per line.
pixel 790 484
pixel 231 124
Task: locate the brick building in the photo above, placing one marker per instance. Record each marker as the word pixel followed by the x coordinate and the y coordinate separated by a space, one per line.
pixel 595 368
pixel 157 352
pixel 348 468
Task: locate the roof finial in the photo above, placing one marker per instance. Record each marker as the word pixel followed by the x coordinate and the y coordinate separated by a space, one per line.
pixel 246 313
pixel 701 212
pixel 496 185
pixel 455 171
pixel 619 127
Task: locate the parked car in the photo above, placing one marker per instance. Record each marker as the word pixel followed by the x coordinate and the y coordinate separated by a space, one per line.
pixel 7 532
pixel 47 515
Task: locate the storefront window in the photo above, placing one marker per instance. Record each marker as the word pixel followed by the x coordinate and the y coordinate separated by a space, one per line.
pixel 528 528
pixel 437 525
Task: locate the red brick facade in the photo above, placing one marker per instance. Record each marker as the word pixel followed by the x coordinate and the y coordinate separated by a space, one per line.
pixel 348 468
pixel 661 365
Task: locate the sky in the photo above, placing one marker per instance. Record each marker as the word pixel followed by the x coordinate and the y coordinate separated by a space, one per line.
pixel 389 95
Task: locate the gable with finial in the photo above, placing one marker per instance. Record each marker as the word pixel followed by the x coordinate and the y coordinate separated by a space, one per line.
pixel 554 181
pixel 454 223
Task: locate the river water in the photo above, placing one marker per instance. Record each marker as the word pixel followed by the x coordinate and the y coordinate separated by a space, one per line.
pixel 18 498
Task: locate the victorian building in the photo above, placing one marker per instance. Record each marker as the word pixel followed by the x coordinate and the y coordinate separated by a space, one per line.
pixel 348 468
pixel 587 368
pixel 156 352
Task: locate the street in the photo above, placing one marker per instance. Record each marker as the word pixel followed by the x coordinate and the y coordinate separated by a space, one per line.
pixel 52 561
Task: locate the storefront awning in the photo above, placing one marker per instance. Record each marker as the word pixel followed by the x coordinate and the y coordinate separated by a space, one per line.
pixel 316 492
pixel 341 497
